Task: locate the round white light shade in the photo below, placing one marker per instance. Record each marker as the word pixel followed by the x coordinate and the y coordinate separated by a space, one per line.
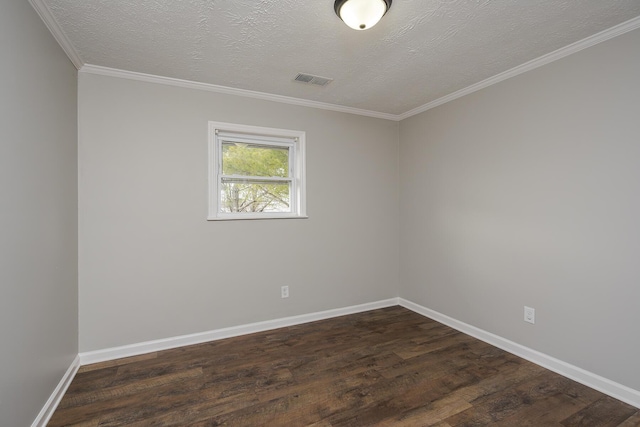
pixel 362 14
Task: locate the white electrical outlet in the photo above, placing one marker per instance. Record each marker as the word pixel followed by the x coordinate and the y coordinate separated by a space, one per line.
pixel 529 314
pixel 284 292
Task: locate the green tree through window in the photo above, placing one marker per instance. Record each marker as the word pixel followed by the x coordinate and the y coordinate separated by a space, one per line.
pixel 252 178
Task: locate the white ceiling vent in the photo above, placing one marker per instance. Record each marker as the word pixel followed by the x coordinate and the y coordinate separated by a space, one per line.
pixel 312 80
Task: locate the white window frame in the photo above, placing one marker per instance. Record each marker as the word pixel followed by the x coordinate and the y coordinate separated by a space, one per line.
pixel 293 139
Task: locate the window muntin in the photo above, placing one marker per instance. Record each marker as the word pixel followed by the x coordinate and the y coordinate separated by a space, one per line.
pixel 255 172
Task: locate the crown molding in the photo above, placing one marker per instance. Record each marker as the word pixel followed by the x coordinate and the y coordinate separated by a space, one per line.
pixel 150 78
pixel 47 17
pixel 600 37
pixel 73 55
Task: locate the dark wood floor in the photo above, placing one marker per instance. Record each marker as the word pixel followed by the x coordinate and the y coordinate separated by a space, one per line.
pixel 388 367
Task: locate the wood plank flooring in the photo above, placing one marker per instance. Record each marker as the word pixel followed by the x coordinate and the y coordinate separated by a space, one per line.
pixel 388 367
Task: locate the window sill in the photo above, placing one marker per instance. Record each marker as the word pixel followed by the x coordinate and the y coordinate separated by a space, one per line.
pixel 250 218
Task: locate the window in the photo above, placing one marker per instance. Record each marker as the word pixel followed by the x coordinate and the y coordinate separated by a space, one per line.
pixel 255 172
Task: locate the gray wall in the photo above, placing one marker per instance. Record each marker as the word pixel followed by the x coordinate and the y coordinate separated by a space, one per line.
pixel 528 193
pixel 38 187
pixel 152 267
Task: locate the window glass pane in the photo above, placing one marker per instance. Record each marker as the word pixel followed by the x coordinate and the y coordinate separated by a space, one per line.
pixel 252 196
pixel 254 160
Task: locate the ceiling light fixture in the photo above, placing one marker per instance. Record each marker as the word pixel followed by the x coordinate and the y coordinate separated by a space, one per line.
pixel 361 14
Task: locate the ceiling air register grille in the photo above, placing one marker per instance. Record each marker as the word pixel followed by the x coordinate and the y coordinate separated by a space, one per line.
pixel 312 80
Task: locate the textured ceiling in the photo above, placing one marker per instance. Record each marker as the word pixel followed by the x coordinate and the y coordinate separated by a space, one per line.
pixel 421 51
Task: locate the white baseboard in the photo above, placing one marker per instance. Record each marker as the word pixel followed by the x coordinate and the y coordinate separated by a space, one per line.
pixel 106 354
pixel 54 400
pixel 604 385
